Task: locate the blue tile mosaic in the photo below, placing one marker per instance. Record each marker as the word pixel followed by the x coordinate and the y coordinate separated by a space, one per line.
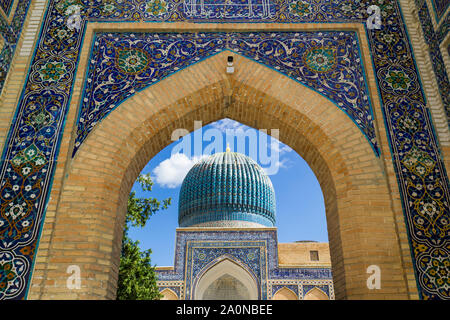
pixel 440 7
pixel 6 5
pixel 226 186
pixel 328 62
pixel 307 288
pixel 293 288
pixel 433 38
pixel 10 33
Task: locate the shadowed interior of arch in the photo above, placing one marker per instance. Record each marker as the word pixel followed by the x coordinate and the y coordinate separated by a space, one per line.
pixel 73 212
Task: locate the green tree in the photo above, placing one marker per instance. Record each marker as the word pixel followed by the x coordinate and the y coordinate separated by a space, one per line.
pixel 137 278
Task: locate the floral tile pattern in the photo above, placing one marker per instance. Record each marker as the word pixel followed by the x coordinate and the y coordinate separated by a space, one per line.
pixel 28 160
pixel 328 62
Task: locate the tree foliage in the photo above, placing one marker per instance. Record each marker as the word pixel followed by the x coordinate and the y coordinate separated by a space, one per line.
pixel 137 278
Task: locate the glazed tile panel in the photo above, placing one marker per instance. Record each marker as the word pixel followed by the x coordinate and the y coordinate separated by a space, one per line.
pixel 301 287
pixel 442 29
pixel 433 39
pixel 440 7
pixel 212 10
pixel 202 255
pixel 33 142
pixel 307 288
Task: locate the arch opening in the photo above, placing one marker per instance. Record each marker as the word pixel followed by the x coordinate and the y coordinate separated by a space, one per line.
pixel 315 294
pixel 168 294
pixel 308 123
pixel 300 210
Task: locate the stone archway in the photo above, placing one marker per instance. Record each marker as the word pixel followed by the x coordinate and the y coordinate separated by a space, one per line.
pixel 87 228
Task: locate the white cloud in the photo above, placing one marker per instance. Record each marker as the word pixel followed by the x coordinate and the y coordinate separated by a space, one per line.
pixel 170 173
pixel 226 123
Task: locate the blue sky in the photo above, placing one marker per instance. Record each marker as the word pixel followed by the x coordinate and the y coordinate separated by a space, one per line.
pixel 300 212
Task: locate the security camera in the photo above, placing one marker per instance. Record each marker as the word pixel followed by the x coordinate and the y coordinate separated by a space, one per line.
pixel 230 68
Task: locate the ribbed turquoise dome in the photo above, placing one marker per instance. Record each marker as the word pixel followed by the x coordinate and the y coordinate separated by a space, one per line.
pixel 226 189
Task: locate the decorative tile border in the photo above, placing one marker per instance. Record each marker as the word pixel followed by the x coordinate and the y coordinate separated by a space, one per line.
pixel 6 6
pixel 440 7
pixel 339 74
pixel 28 160
pixel 309 287
pixel 202 255
pixel 276 287
pixel 329 291
pixel 443 28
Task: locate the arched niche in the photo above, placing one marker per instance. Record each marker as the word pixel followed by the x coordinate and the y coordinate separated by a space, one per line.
pixel 285 294
pixel 168 294
pixel 315 294
pixel 224 279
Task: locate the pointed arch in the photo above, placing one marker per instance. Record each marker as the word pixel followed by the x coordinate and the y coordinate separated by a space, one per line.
pixel 358 201
pixel 316 294
pixel 248 288
pixel 285 294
